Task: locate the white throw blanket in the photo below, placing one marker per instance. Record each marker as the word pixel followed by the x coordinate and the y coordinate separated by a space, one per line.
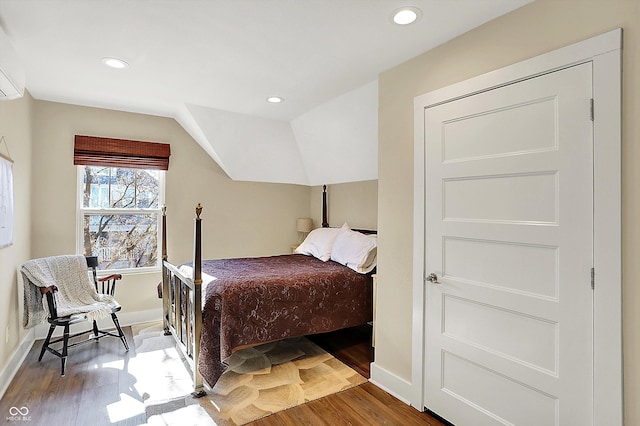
pixel 76 293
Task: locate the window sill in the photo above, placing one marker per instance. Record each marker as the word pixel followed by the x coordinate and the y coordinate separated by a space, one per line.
pixel 125 272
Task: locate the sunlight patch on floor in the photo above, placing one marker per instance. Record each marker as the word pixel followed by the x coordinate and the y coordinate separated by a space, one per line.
pixel 190 415
pixel 126 408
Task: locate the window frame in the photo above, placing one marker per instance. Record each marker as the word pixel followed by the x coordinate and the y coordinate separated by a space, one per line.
pixel 81 211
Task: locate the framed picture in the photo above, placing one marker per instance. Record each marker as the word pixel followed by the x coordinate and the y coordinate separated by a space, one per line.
pixel 6 201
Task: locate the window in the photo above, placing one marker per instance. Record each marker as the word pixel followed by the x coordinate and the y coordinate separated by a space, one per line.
pixel 119 207
pixel 119 216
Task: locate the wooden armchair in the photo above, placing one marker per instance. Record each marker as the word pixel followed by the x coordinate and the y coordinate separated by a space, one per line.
pixel 104 285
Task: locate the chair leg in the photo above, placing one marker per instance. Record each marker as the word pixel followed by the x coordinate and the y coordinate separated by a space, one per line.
pixel 45 344
pixel 65 343
pixel 95 330
pixel 123 338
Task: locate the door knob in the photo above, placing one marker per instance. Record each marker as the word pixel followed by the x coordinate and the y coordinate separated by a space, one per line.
pixel 433 278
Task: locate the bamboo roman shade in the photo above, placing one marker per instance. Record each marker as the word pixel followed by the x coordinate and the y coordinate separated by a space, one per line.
pixel 107 152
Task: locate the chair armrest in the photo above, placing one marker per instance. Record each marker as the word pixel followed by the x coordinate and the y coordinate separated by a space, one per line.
pixel 108 284
pixel 51 289
pixel 109 277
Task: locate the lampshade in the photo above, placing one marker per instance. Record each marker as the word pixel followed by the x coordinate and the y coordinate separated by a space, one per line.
pixel 304 224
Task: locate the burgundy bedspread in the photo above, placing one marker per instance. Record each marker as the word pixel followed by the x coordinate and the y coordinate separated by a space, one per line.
pixel 257 300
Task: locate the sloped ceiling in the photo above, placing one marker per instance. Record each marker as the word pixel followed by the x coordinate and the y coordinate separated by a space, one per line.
pixel 210 64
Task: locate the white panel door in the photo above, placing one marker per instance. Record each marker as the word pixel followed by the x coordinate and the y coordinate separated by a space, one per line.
pixel 509 235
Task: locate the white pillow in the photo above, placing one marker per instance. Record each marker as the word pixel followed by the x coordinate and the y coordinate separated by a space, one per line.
pixel 319 242
pixel 356 251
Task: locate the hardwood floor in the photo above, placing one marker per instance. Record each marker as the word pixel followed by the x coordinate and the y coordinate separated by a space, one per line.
pixel 351 346
pixel 99 390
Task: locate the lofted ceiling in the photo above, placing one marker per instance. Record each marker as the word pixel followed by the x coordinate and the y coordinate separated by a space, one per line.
pixel 211 64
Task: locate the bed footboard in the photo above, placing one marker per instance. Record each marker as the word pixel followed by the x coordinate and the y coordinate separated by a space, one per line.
pixel 182 303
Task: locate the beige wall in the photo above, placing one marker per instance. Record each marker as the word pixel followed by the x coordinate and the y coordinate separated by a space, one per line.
pixel 532 30
pixel 15 126
pixel 354 203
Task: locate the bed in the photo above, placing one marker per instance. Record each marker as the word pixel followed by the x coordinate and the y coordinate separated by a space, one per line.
pixel 215 307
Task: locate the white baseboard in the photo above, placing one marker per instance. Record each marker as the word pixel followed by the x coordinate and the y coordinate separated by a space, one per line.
pixel 15 361
pixel 390 383
pixel 140 317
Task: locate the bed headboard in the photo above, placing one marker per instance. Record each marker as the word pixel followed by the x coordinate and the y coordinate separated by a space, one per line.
pixel 366 231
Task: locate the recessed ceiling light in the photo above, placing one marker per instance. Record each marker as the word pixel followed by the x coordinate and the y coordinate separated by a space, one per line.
pixel 115 63
pixel 275 99
pixel 406 15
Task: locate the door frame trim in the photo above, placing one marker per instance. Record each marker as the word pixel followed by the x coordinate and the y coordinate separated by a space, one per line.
pixel 605 53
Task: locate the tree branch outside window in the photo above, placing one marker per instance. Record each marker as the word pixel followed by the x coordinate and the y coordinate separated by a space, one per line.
pixel 120 213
